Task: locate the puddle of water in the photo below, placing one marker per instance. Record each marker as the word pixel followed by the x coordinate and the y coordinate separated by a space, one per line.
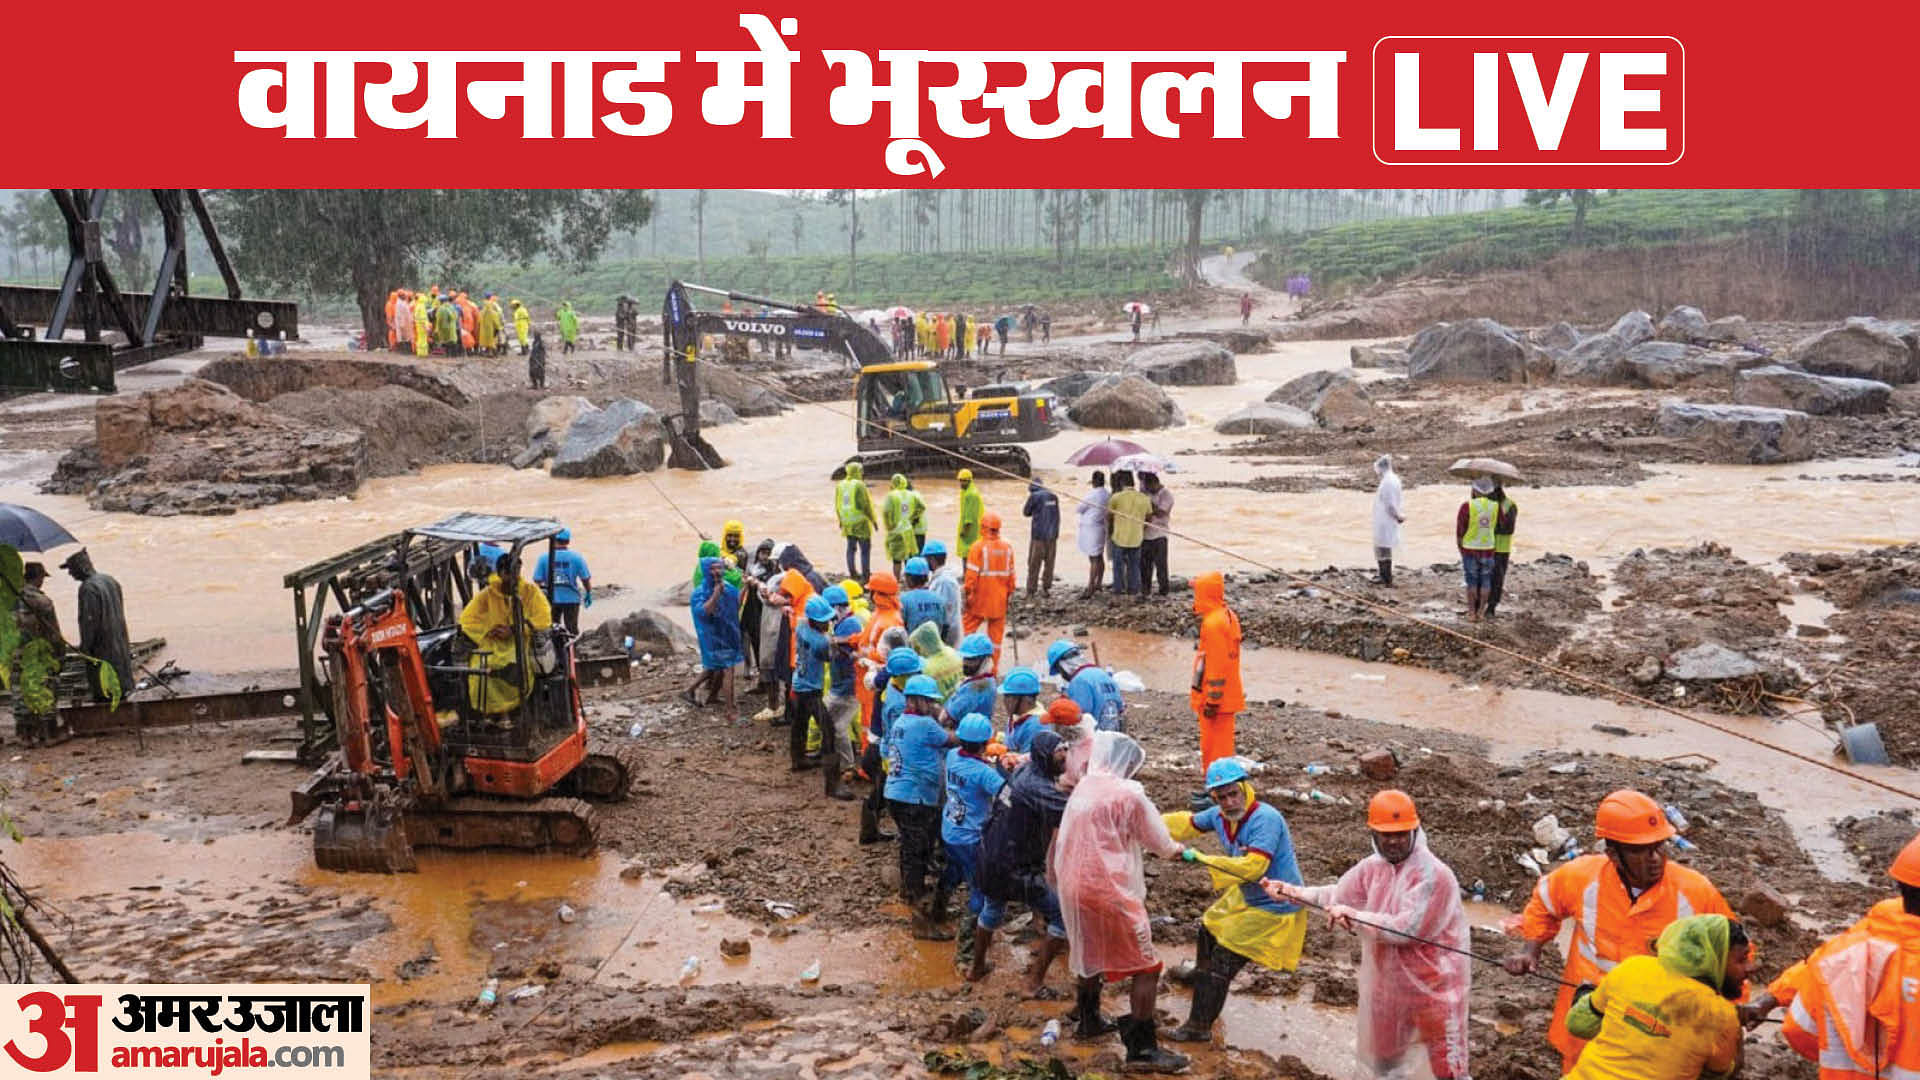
pixel 1806 609
pixel 1517 722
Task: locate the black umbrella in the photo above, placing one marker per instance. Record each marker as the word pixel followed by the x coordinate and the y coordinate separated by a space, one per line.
pixel 28 529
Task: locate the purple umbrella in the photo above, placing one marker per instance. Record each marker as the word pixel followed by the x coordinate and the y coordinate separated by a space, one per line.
pixel 1105 452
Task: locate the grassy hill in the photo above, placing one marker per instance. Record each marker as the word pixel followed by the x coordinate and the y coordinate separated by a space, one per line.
pixel 1519 236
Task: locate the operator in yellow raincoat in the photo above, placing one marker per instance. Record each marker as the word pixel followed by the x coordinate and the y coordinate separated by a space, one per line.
pixel 491 325
pixel 422 324
pixel 487 621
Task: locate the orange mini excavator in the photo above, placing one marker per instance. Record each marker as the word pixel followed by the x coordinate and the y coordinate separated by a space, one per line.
pixel 421 762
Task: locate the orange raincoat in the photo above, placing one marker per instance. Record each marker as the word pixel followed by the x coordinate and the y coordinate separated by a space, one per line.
pixel 988 584
pixel 1851 1006
pixel 1216 668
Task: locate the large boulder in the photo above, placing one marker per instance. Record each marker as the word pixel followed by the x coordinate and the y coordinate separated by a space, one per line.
pixel 1070 386
pixel 1333 398
pixel 1710 661
pixel 1820 395
pixel 1560 336
pixel 1390 357
pixel 554 415
pixel 1862 348
pixel 1594 360
pixel 624 438
pixel 1265 418
pixel 125 426
pixel 1633 328
pixel 1129 402
pixel 651 632
pixel 1746 434
pixel 1476 350
pixel 1683 324
pixel 717 413
pixel 1184 363
pixel 1664 365
pixel 1729 328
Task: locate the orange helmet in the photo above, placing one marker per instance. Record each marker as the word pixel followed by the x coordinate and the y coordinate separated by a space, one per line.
pixel 1392 811
pixel 990 522
pixel 1906 865
pixel 1628 817
pixel 1064 712
pixel 883 583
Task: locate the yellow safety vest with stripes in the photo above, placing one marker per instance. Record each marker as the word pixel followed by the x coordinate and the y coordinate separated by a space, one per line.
pixel 1482 514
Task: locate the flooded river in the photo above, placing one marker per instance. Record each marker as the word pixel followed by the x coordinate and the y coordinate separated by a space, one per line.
pixel 212 585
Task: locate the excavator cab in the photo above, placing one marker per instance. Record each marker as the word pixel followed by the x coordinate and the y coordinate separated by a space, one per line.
pixel 443 740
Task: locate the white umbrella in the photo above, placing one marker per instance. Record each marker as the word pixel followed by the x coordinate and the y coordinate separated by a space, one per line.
pixel 899 311
pixel 1145 463
pixel 1132 306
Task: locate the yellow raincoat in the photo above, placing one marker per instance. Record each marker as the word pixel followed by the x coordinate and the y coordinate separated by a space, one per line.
pixel 491 608
pixel 422 325
pixel 522 323
pixel 490 324
pixel 1269 938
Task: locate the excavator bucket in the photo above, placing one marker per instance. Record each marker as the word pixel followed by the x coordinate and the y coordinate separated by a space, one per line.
pixel 689 449
pixel 361 838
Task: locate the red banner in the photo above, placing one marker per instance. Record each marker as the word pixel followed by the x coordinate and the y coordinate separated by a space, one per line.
pixel 993 94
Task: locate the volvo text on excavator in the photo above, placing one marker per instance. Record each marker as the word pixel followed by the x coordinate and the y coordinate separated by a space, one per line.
pixel 906 418
pixel 448 742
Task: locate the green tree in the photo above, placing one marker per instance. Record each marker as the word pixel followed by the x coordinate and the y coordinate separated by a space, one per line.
pixel 367 242
pixel 1194 201
pixel 1581 198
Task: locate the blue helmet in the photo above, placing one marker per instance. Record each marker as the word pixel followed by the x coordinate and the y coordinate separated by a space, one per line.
pixel 975 645
pixel 974 728
pixel 564 535
pixel 904 661
pixel 1227 770
pixel 836 597
pixel 917 567
pixel 1059 651
pixel 922 686
pixel 935 547
pixel 818 610
pixel 1021 681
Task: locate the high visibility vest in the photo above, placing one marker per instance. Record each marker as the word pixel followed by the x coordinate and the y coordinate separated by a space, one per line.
pixel 899 513
pixel 1835 999
pixel 846 502
pixel 1503 542
pixel 1482 514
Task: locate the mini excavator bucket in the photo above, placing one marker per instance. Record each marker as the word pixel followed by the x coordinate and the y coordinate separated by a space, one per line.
pixel 365 838
pixel 689 449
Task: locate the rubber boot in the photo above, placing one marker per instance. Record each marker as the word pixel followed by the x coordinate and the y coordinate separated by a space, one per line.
pixel 1144 1054
pixel 1386 573
pixel 963 942
pixel 1089 1024
pixel 837 786
pixel 1209 997
pixel 870 826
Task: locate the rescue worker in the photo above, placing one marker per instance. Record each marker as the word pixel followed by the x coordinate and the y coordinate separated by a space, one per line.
pixel 522 324
pixel 103 625
pixel 1089 685
pixel 393 328
pixel 569 321
pixel 512 652
pixel 972 785
pixel 715 606
pixel 919 604
pixel 843 696
pixel 1389 513
pixel 1620 902
pixel 626 323
pixel 1043 537
pixel 537 363
pixel 989 584
pixel 1399 899
pixel 883 593
pixel 1503 528
pixel 446 327
pixel 1013 859
pixel 811 675
pixel 1025 718
pixel 971 510
pixel 36 664
pixel 1849 1007
pixel 572 581
pixel 1245 923
pixel 1108 821
pixel 492 324
pixel 889 685
pixel 916 746
pixel 853 506
pixel 1473 532
pixel 1668 1016
pixel 1216 694
pixel 1092 535
pixel 919 517
pixel 896 516
pixel 469 323
pixel 940 661
pixel 977 690
pixel 947 583
pixel 733 543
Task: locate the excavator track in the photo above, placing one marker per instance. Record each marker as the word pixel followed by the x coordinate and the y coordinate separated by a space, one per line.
pixel 472 823
pixel 605 776
pixel 923 461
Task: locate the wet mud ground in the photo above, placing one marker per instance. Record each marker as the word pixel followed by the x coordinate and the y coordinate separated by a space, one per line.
pixel 175 865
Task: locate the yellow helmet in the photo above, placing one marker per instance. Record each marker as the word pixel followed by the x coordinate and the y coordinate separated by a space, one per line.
pixel 733 528
pixel 964 474
pixel 852 587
